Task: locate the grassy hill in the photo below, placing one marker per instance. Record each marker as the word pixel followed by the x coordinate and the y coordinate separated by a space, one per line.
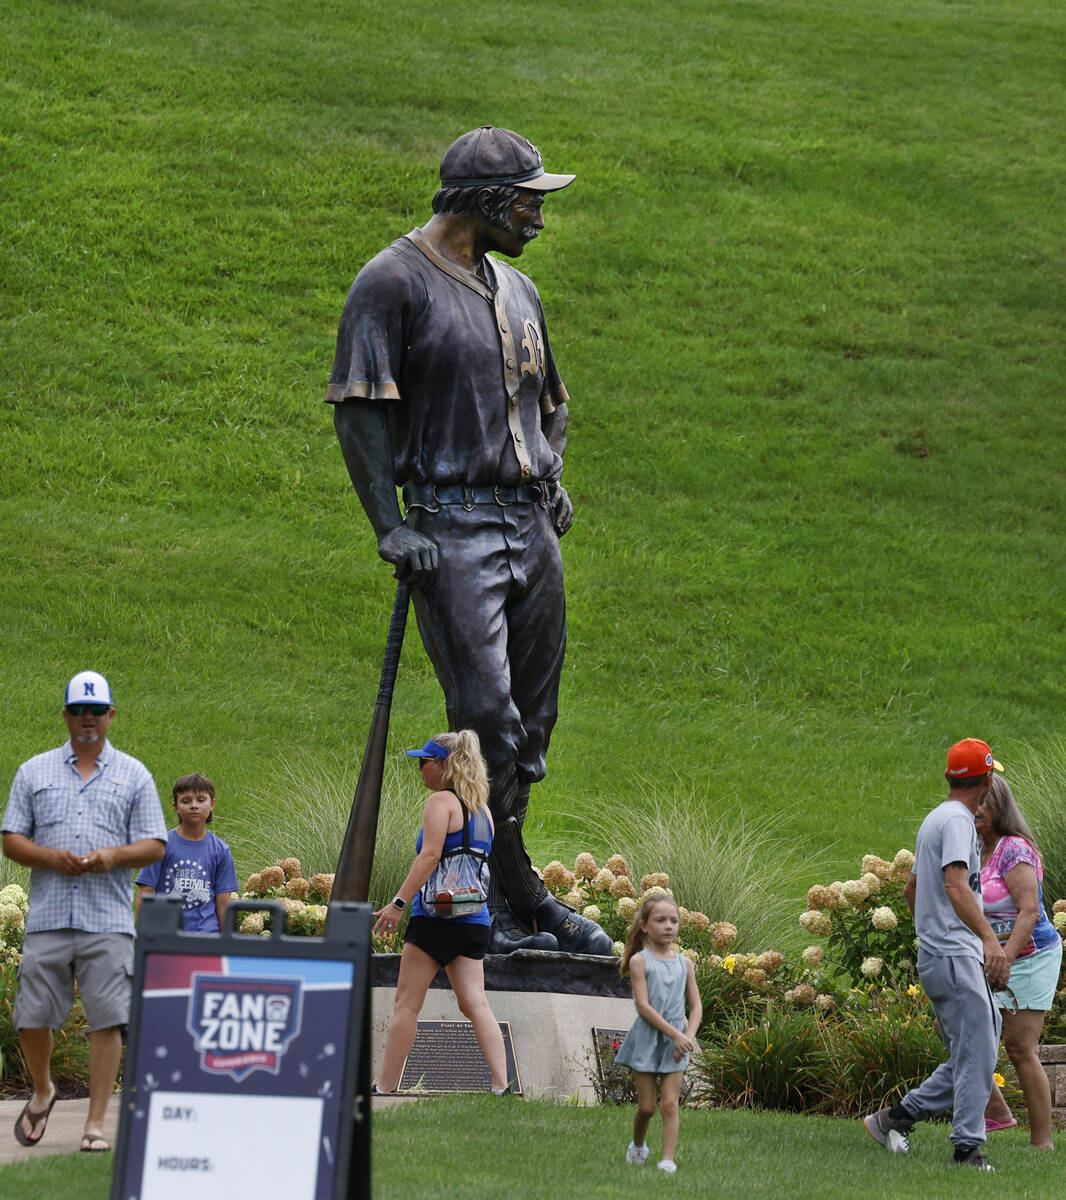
pixel 807 295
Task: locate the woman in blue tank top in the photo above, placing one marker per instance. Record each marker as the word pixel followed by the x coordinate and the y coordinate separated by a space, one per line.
pixel 450 931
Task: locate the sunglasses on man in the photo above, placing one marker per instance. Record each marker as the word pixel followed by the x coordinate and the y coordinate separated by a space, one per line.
pixel 94 710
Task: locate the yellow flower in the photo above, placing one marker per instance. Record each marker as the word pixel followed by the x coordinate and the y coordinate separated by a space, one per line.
pixel 999 1080
pixel 729 963
pixel 914 991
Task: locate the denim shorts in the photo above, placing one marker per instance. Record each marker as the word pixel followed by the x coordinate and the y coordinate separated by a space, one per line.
pixel 1033 981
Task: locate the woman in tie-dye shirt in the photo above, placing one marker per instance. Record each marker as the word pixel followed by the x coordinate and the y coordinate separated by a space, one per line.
pixel 1012 896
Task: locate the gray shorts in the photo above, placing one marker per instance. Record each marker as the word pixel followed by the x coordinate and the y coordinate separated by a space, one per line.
pixel 102 963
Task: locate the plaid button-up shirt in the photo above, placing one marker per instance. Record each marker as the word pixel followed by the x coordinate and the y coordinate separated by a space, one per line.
pixel 52 805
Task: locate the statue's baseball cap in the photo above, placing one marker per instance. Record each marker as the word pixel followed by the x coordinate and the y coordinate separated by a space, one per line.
pixel 88 687
pixel 969 758
pixel 431 749
pixel 492 156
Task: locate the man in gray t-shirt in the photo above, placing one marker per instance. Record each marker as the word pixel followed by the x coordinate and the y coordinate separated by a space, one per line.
pixel 959 956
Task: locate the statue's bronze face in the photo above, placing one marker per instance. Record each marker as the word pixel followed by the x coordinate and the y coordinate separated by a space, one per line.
pixel 516 223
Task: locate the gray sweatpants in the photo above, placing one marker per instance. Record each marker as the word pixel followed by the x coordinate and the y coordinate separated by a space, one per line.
pixel 969 1026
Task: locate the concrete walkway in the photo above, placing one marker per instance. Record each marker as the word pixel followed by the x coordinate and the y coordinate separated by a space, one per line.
pixel 63 1135
pixel 67 1122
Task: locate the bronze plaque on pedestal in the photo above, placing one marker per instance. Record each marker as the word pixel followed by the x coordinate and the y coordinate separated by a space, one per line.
pixel 446 1057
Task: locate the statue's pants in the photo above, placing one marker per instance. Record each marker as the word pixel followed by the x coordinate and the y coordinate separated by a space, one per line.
pixel 493 621
pixel 969 1026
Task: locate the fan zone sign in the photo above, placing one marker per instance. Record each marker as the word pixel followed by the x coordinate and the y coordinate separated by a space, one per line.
pixel 240 1025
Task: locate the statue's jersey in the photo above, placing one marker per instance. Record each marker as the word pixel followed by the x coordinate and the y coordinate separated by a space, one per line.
pixel 465 366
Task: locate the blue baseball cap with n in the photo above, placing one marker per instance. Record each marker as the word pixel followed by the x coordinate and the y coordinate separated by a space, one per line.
pixel 88 687
pixel 431 749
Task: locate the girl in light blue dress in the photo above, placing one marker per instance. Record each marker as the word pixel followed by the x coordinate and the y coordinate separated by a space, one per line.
pixel 660 1040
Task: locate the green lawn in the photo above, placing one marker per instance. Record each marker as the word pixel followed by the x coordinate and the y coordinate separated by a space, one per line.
pixel 807 296
pixel 556 1150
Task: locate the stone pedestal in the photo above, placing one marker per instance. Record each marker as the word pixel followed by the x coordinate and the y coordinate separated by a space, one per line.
pixel 551 1000
pixel 1053 1059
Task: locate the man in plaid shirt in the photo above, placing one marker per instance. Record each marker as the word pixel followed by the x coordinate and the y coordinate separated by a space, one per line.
pixel 80 817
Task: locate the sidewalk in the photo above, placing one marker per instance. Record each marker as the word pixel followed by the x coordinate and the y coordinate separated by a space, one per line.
pixel 67 1122
pixel 63 1135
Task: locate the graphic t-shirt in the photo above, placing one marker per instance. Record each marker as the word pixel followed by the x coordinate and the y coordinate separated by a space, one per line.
pixel 1000 906
pixel 196 870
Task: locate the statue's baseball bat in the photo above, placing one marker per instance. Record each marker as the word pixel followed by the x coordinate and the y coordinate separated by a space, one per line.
pixel 352 880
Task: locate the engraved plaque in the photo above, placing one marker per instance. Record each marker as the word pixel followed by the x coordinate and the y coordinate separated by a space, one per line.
pixel 446 1057
pixel 615 1082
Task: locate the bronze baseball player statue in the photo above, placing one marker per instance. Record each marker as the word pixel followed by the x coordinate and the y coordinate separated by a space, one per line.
pixel 444 385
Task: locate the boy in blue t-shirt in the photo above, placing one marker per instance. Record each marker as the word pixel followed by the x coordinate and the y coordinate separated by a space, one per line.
pixel 197 864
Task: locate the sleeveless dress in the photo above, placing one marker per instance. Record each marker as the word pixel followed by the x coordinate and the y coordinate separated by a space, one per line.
pixel 645 1048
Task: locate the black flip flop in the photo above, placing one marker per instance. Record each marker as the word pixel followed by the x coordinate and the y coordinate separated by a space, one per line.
pixel 103 1148
pixel 36 1119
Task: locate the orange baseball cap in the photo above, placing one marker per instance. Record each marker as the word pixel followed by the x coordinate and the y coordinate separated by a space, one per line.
pixel 969 758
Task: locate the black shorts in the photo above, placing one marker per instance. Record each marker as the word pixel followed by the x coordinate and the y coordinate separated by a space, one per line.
pixel 445 940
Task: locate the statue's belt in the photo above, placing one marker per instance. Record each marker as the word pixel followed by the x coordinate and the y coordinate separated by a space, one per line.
pixel 434 496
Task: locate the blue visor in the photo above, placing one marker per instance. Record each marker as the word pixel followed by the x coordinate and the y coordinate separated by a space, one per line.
pixel 431 749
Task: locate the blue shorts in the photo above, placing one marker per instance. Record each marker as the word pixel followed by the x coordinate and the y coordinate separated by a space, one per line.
pixel 1033 981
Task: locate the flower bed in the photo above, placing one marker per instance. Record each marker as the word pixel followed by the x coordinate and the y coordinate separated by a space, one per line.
pixel 839 1028
pixel 306 901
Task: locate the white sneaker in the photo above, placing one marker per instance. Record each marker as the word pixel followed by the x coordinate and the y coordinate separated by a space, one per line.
pixel 669 1166
pixel 636 1154
pixel 893 1135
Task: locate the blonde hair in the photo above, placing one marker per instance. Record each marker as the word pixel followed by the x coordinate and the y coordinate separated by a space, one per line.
pixel 465 771
pixel 635 936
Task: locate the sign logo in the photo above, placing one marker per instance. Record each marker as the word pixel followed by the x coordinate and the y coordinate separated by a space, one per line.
pixel 243 1024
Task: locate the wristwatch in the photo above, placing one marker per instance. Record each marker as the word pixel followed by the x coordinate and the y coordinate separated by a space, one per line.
pixel 399 902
